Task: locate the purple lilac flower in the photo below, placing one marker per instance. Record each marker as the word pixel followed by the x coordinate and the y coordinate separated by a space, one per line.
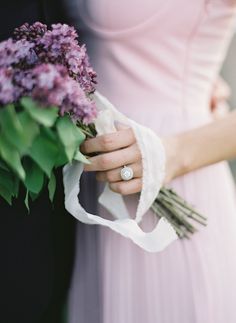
pixel 53 87
pixel 25 52
pixel 49 86
pixel 30 32
pixel 57 42
pixel 7 89
pixel 60 45
pixel 24 80
pixel 80 68
pixel 78 104
pixel 13 53
pixel 51 67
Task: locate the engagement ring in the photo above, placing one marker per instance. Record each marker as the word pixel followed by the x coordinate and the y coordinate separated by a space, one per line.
pixel 126 173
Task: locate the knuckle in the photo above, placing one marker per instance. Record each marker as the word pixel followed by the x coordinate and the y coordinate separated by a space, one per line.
pixel 106 142
pixel 132 135
pixel 110 176
pixel 138 151
pixel 104 161
pixel 85 147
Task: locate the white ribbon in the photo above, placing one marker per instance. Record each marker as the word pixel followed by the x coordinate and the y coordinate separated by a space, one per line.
pixel 153 158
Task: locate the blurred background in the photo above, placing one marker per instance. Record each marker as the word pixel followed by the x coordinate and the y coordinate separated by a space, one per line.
pixel 229 74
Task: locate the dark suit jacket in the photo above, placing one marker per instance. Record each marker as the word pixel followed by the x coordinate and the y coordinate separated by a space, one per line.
pixel 36 249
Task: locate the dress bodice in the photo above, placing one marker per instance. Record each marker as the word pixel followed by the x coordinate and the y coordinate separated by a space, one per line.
pixel 160 58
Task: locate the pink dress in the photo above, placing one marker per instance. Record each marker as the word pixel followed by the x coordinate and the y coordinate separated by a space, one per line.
pixel 157 62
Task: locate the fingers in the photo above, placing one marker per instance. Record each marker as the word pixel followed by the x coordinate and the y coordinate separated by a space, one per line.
pixel 118 149
pixel 113 141
pixel 114 174
pixel 126 188
pixel 221 93
pixel 115 159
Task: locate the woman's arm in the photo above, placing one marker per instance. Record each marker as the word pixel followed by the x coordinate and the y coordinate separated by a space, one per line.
pixel 201 147
pixel 185 152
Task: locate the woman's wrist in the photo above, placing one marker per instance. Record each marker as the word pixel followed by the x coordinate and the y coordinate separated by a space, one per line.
pixel 179 156
pixel 200 147
pixel 172 158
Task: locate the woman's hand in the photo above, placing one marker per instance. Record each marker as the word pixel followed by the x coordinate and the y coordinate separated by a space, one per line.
pixel 220 95
pixel 114 151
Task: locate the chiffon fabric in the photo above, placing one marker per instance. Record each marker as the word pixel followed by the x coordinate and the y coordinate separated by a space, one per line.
pixel 157 62
pixel 153 162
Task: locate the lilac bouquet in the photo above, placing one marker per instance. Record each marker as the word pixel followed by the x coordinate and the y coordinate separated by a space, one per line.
pixel 45 106
pixel 46 112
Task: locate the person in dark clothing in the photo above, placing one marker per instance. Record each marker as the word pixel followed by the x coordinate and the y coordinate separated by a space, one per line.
pixel 36 249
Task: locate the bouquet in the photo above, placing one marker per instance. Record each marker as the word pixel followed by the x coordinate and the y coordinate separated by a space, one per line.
pixel 45 82
pixel 46 112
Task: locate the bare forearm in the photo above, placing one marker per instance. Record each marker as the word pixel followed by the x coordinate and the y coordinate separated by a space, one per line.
pixel 201 147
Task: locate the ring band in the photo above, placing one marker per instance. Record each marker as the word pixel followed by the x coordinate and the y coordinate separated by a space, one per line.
pixel 126 173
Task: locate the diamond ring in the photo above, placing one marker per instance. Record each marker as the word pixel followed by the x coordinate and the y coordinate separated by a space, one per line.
pixel 126 173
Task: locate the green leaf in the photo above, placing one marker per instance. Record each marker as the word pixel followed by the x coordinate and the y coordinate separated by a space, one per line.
pixel 30 126
pixel 34 177
pixel 7 185
pixel 45 116
pixel 11 156
pixel 50 133
pixel 11 127
pixel 44 151
pixel 62 158
pixel 70 135
pixel 7 180
pixel 19 129
pixel 27 201
pixel 52 187
pixel 81 158
pixel 15 190
pixel 6 195
pixel 3 165
pixel 33 196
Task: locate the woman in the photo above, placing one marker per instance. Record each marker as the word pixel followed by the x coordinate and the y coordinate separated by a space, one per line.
pixel 158 63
